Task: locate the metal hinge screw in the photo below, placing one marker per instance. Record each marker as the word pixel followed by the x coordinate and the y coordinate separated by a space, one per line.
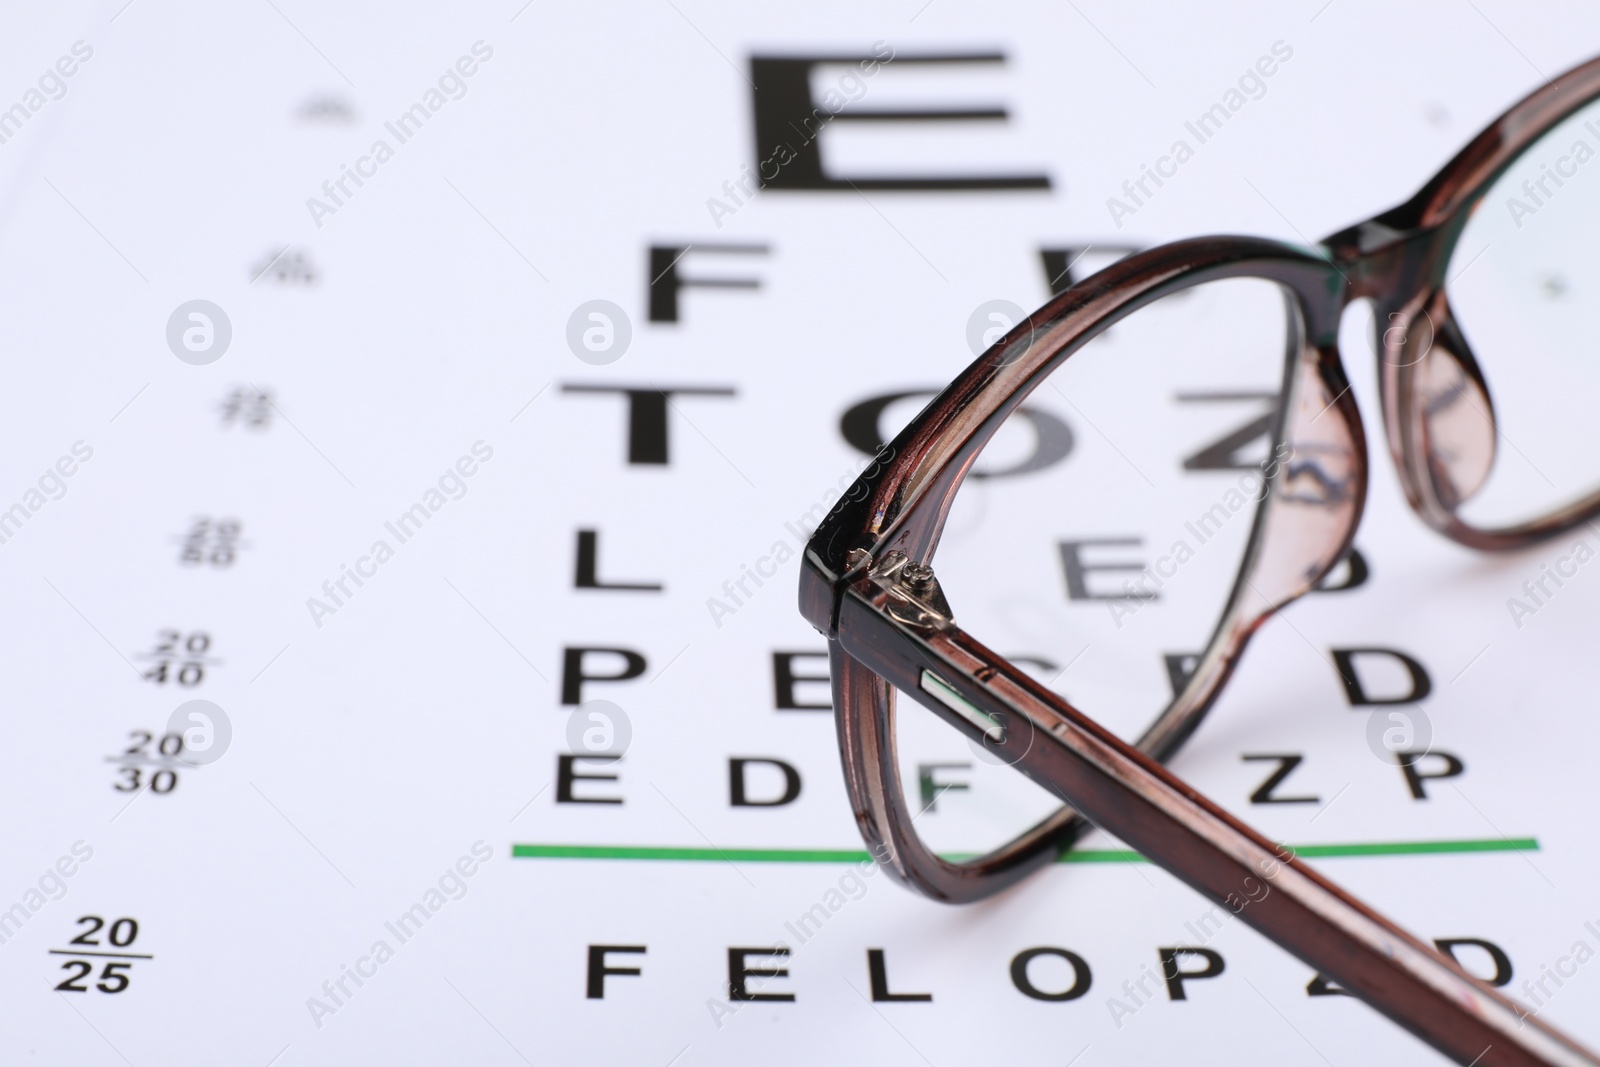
pixel 918 577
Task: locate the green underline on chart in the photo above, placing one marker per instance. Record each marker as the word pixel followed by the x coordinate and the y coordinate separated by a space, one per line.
pixel 1084 855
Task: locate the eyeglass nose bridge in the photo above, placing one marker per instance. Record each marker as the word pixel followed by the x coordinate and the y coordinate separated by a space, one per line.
pixel 1438 415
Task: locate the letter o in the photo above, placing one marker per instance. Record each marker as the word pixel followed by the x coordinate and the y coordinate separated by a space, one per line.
pixel 859 426
pixel 1081 978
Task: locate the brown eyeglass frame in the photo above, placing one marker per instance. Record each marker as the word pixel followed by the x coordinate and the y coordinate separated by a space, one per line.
pixel 866 584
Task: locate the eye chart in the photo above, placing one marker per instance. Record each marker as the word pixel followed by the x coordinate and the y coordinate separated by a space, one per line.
pixel 413 420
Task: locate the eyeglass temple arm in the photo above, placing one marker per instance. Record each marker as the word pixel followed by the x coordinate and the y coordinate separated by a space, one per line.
pixel 1131 796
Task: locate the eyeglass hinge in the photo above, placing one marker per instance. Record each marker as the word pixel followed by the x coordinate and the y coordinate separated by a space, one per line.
pixel 914 593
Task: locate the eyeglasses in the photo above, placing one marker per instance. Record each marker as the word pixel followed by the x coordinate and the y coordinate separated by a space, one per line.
pixel 1480 286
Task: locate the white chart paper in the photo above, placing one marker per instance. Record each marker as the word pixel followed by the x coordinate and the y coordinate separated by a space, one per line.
pixel 359 532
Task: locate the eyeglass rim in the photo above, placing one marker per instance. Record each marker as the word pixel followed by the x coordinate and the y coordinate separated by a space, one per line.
pixel 909 515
